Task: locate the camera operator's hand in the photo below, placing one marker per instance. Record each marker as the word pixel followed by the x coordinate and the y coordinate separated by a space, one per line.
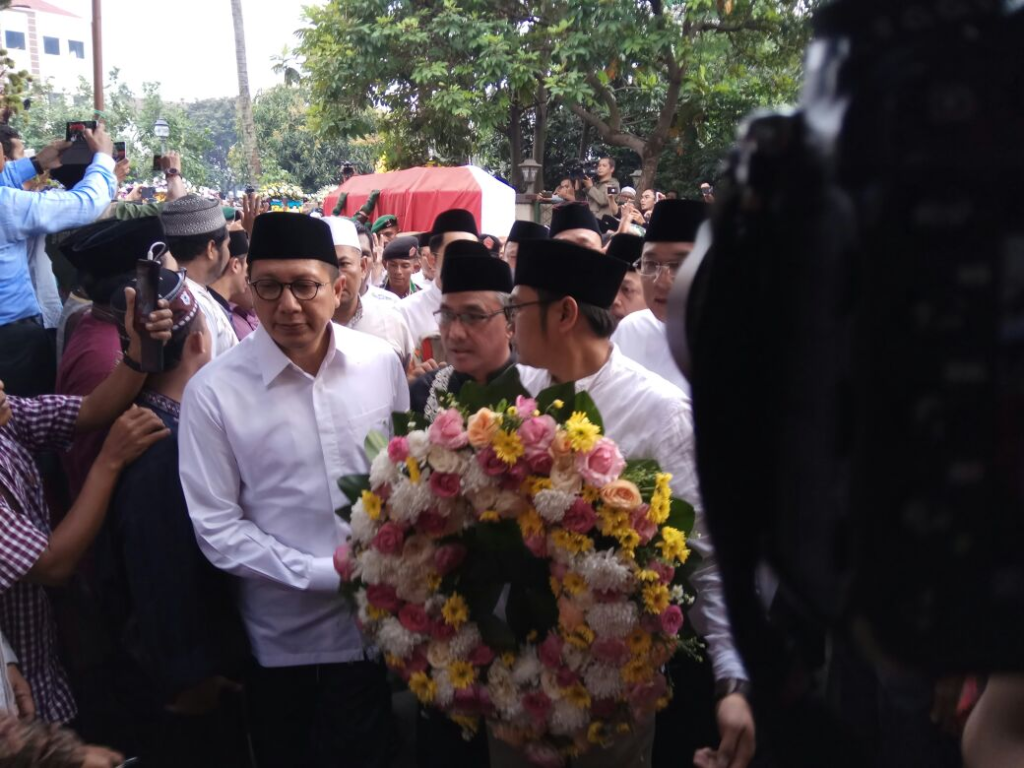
pixel 135 196
pixel 99 140
pixel 121 170
pixel 588 182
pixel 49 156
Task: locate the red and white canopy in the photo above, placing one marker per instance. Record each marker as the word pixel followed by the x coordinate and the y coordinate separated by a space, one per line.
pixel 417 195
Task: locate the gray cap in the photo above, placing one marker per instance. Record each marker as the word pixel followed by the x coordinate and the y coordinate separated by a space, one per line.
pixel 191 216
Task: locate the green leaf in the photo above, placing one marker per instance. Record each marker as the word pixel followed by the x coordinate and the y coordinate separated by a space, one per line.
pixel 507 387
pixel 400 423
pixel 681 516
pixel 345 513
pixel 375 443
pixel 353 486
pixel 564 392
pixel 585 403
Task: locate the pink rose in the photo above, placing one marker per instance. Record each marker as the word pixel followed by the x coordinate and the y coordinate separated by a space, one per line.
pixel 550 651
pixel 646 529
pixel 440 630
pixel 481 656
pixel 602 465
pixel 516 474
pixel 431 522
pixel 418 661
pixel 537 543
pixel 343 562
pixel 665 571
pixel 537 705
pixel 383 596
pixel 538 432
pixel 414 618
pixel 671 620
pixel 447 430
pixel 448 558
pixel 539 460
pixel 444 485
pixel 580 517
pixel 525 406
pixel 610 651
pixel 389 539
pixel 489 462
pixel 398 450
pixel 466 699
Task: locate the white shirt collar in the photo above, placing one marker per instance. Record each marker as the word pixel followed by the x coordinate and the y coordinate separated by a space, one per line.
pixel 272 362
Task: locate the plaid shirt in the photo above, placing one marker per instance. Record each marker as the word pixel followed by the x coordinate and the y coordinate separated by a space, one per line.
pixel 37 425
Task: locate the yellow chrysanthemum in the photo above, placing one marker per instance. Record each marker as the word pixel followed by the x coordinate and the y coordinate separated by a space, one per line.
pixel 508 659
pixel 434 581
pixel 467 723
pixel 490 516
pixel 590 494
pixel 611 522
pixel 508 447
pixel 583 434
pixel 598 733
pixel 574 583
pixel 462 674
pixel 414 470
pixel 637 670
pixel 661 481
pixel 656 598
pixel 577 695
pixel 534 485
pixel 673 545
pixel 455 611
pixel 659 511
pixel 573 543
pixel 397 662
pixel 648 576
pixel 628 539
pixel 581 637
pixel 639 642
pixel 623 728
pixel 371 504
pixel 423 687
pixel 530 523
pixel 375 613
pixel 556 586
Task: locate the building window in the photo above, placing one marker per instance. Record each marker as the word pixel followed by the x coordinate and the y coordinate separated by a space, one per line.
pixel 15 40
pixel 51 45
pixel 76 49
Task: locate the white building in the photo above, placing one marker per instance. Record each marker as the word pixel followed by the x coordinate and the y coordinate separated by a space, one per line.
pixel 49 41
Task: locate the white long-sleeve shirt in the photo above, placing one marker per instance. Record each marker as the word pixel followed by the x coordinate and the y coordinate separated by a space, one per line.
pixel 418 310
pixel 262 445
pixel 649 418
pixel 641 337
pixel 217 320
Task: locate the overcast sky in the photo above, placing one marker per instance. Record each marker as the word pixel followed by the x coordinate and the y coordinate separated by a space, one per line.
pixel 189 45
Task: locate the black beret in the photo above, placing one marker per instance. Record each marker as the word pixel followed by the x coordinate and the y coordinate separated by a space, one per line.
pixel 527 230
pixel 479 272
pixel 627 248
pixel 675 221
pixel 572 216
pixel 282 235
pixel 454 220
pixel 407 247
pixel 111 247
pixel 238 243
pixel 568 269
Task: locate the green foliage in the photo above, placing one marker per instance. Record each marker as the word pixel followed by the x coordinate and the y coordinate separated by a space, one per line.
pixel 14 84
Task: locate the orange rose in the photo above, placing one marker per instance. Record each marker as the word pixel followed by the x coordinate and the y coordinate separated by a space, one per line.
pixel 569 615
pixel 482 427
pixel 560 446
pixel 621 494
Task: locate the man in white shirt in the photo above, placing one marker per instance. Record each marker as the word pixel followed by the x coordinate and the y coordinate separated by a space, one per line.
pixel 669 240
pixel 266 431
pixel 628 249
pixel 562 327
pixel 574 222
pixel 197 237
pixel 419 308
pixel 373 317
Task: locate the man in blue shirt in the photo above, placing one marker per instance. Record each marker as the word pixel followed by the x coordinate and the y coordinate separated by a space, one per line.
pixel 27 359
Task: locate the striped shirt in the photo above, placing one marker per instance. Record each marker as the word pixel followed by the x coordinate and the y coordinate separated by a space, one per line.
pixel 37 425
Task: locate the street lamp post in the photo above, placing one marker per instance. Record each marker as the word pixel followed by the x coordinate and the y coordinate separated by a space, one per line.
pixel 162 131
pixel 97 55
pixel 529 168
pixel 636 175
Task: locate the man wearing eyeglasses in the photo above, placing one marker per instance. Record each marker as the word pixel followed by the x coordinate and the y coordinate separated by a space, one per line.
pixel 266 432
pixel 670 236
pixel 472 322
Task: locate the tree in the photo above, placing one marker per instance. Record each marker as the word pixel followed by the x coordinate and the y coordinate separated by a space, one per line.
pixel 252 154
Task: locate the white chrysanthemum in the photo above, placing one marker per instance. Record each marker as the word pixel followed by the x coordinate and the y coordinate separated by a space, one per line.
pixel 435 603
pixel 574 658
pixel 567 719
pixel 604 571
pixel 603 681
pixel 445 689
pixel 465 640
pixel 549 684
pixel 474 478
pixel 612 619
pixel 363 528
pixel 503 692
pixel 382 470
pixel 677 593
pixel 412 587
pixel 443 460
pixel 408 500
pixel 395 639
pixel 551 504
pixel 527 668
pixel 419 444
pixel 439 655
pixel 376 568
pixel 362 610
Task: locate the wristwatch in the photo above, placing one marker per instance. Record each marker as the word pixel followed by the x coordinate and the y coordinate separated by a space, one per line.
pixel 172 172
pixel 38 168
pixel 731 685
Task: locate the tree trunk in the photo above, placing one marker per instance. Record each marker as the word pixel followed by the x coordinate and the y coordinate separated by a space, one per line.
pixel 252 154
pixel 649 166
pixel 515 141
pixel 540 135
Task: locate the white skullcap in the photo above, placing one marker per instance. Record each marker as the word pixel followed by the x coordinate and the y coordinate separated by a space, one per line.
pixel 343 231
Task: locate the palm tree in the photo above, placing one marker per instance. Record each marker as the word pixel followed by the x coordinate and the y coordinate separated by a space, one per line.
pixel 252 154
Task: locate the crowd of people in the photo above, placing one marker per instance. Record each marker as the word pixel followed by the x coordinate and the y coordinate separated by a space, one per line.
pixel 167 587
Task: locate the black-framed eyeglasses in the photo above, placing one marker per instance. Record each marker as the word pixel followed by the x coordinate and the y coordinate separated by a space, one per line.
pixel 652 270
pixel 514 309
pixel 446 317
pixel 271 290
